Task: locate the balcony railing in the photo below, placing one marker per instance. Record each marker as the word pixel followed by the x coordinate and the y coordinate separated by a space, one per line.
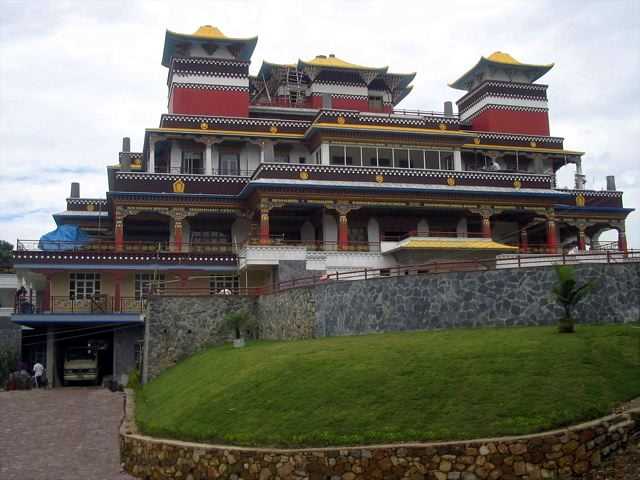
pixel 315 245
pixel 96 305
pixel 127 246
pixel 129 252
pixel 224 172
pixel 282 102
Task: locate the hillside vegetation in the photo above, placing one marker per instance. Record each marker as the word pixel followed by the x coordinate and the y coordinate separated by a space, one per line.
pixel 444 385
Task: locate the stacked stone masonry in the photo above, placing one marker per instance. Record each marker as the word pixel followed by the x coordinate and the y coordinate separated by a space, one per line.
pixel 179 326
pixel 567 453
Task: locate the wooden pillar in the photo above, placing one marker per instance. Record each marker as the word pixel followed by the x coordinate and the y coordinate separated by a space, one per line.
pixel 552 236
pixel 582 239
pixel 622 240
pixel 343 226
pixel 524 240
pixel 119 234
pixel 264 227
pixel 343 231
pixel 46 294
pixel 177 234
pixel 117 278
pixel 486 225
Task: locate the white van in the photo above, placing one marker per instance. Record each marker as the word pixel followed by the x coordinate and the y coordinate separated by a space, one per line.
pixel 80 365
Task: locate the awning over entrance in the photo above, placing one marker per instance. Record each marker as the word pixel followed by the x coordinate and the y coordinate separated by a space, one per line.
pixel 54 319
pixel 454 244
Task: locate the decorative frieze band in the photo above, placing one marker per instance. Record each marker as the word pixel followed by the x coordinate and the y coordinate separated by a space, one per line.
pixel 200 86
pixel 514 108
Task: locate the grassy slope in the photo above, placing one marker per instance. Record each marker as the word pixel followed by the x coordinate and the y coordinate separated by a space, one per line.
pixel 451 384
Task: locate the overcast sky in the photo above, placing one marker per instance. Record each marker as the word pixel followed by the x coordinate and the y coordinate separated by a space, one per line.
pixel 75 77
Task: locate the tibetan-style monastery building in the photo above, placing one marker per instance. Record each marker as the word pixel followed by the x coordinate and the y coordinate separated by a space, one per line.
pixel 309 168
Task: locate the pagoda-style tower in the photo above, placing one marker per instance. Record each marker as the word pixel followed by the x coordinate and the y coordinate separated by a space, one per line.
pixel 330 82
pixel 502 96
pixel 208 72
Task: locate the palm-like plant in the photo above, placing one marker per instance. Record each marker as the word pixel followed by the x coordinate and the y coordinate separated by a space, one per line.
pixel 568 294
pixel 237 321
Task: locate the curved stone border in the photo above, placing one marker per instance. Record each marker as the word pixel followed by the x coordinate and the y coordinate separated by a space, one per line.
pixel 556 454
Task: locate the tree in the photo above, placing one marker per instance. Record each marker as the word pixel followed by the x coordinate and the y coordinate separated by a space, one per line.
pixel 6 254
pixel 238 321
pixel 568 294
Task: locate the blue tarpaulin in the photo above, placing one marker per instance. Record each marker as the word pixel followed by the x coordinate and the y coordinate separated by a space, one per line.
pixel 65 237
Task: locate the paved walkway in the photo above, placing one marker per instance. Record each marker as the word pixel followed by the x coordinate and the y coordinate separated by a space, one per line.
pixel 61 434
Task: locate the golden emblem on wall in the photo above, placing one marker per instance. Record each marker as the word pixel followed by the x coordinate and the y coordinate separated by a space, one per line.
pixel 178 186
pixel 451 181
pixel 90 207
pixel 476 141
pixel 580 201
pixel 442 126
pixel 533 144
pixel 517 184
pixel 341 120
pixel 304 175
pixel 379 179
pixel 204 126
pixel 273 129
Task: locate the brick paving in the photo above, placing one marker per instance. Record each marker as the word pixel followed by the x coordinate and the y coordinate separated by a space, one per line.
pixel 61 434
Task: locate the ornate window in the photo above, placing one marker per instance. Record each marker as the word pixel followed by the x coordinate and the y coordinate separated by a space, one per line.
pixel 84 285
pixel 224 284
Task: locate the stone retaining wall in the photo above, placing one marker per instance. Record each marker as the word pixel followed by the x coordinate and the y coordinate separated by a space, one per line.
pixel 558 454
pixel 179 326
pixel 472 299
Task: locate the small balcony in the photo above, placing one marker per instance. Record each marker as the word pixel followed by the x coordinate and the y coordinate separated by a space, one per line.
pixel 96 305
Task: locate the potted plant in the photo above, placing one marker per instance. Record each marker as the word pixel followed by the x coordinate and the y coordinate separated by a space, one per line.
pixel 238 321
pixel 568 294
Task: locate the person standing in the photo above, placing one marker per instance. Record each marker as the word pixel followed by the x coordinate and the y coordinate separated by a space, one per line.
pixel 38 370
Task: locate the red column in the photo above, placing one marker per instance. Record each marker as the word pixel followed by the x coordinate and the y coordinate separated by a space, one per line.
pixel 343 232
pixel 486 226
pixel 264 226
pixel 582 243
pixel 46 294
pixel 552 237
pixel 177 234
pixel 622 241
pixel 524 241
pixel 117 278
pixel 119 235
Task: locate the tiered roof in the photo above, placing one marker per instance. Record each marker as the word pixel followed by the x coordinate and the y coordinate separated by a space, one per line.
pixel 503 61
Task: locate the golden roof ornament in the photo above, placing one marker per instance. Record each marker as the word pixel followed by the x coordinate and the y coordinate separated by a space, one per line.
pixel 451 181
pixel 580 200
pixel 273 129
pixel 204 126
pixel 304 175
pixel 341 120
pixel 178 186
pixel 517 184
pixel 379 178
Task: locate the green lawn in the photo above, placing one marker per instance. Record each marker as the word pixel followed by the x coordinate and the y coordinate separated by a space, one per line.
pixel 454 384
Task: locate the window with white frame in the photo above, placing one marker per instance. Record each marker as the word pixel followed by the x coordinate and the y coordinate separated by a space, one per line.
pixel 398 157
pixel 84 285
pixel 192 162
pixel 144 282
pixel 223 284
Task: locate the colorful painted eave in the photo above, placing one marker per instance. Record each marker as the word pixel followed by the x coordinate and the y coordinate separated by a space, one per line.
pixel 501 60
